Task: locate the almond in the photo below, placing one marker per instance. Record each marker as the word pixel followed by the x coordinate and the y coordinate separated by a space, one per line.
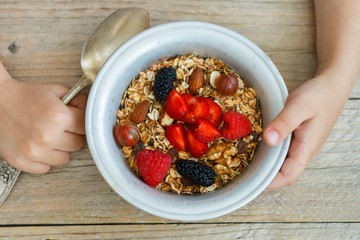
pixel 140 111
pixel 196 80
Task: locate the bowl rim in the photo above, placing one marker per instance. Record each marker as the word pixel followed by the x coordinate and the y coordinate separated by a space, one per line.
pixel 283 147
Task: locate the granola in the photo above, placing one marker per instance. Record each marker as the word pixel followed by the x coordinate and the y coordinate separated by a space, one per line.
pixel 227 158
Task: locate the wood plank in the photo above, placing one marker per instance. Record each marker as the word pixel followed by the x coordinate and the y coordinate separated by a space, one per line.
pixel 49 37
pixel 41 42
pixel 328 191
pixel 296 231
pixel 49 40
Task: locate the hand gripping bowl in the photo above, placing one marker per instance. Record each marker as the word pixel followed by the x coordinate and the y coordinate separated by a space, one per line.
pixel 138 54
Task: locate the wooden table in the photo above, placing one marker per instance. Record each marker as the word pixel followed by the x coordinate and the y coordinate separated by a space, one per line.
pixel 41 41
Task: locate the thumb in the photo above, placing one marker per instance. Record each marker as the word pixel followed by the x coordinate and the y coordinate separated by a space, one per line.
pixel 293 114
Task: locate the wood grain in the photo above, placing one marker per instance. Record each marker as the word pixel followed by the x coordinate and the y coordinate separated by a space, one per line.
pixel 246 231
pixel 48 38
pixel 41 41
pixel 328 191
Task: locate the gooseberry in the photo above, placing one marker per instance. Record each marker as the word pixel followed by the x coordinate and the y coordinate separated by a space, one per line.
pixel 127 134
pixel 227 84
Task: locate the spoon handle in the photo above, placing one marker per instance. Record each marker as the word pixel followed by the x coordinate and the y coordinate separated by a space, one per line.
pixel 83 82
pixel 8 176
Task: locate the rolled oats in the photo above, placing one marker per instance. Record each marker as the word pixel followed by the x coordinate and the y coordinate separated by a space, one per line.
pixel 225 157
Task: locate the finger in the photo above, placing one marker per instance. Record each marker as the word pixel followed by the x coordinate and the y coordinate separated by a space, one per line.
pixel 36 167
pixel 58 89
pixel 79 101
pixel 30 167
pixel 293 114
pixel 287 175
pixel 39 157
pixel 69 142
pixel 300 153
pixel 76 120
pixel 76 113
pixel 54 157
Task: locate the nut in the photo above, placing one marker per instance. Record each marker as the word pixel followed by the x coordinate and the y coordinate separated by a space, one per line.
pixel 165 120
pixel 140 111
pixel 196 80
pixel 154 114
pixel 214 77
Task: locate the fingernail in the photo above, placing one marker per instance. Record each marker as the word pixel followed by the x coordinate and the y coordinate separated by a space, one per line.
pixel 272 136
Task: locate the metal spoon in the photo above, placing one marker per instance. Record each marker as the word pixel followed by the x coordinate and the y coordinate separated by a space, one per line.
pixel 106 38
pixel 108 35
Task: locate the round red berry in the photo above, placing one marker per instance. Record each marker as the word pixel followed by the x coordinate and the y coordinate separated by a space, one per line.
pixel 235 126
pixel 153 166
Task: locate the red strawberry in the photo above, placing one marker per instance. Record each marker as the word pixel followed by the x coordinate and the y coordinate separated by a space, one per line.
pixel 176 106
pixel 196 148
pixel 176 135
pixel 235 126
pixel 215 112
pixel 205 131
pixel 153 166
pixel 198 108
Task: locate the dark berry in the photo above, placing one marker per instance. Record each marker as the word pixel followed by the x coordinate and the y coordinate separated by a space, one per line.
pixel 242 147
pixel 137 148
pixel 173 154
pixel 197 172
pixel 164 82
pixel 256 136
pixel 151 142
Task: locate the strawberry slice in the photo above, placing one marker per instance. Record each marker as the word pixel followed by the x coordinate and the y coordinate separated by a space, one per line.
pixel 196 148
pixel 198 108
pixel 176 106
pixel 176 135
pixel 215 112
pixel 205 131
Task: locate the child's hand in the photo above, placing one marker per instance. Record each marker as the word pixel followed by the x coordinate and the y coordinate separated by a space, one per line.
pixel 310 113
pixel 37 130
pixel 312 109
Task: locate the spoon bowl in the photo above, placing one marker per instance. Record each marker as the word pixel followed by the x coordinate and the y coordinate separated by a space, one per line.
pixel 108 35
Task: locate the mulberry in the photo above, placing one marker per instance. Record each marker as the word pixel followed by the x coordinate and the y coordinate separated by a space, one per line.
pixel 196 172
pixel 164 83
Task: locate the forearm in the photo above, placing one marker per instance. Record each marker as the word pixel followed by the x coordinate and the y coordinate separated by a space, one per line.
pixel 338 41
pixel 4 75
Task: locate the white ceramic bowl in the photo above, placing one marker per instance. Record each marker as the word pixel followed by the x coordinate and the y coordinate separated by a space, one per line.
pixel 139 53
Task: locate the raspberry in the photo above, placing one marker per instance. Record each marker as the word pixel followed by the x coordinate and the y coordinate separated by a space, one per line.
pixel 197 172
pixel 235 126
pixel 164 83
pixel 153 166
